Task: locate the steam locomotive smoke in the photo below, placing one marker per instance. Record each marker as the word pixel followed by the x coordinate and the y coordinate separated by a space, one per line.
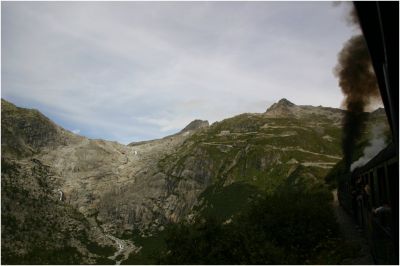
pixel 376 144
pixel 358 83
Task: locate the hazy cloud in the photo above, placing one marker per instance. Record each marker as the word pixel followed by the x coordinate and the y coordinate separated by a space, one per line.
pixel 128 71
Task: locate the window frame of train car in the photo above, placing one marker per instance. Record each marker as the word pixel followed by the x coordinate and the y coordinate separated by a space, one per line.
pixel 379 184
pixel 380 174
pixel 382 226
pixel 371 184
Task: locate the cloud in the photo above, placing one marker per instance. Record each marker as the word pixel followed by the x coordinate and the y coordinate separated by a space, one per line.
pixel 165 124
pixel 138 70
pixel 76 131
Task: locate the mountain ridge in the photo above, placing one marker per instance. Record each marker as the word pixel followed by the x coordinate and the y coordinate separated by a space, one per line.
pixel 285 108
pixel 140 188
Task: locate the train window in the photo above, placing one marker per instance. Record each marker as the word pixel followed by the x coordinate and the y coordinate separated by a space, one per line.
pixel 383 197
pixel 383 212
pixel 371 185
pixel 393 180
pixel 375 190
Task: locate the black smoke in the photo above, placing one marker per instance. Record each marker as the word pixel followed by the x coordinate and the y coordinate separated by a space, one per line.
pixel 359 85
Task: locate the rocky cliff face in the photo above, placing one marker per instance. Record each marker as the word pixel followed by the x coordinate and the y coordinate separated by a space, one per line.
pixel 38 227
pixel 121 183
pixel 137 189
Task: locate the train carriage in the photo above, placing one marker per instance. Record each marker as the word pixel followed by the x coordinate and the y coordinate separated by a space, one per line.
pixel 370 195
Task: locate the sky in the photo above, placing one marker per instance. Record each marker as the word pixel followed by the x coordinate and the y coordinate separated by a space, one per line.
pixel 131 71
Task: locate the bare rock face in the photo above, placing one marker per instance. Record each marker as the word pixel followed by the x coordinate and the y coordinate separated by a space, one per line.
pixel 37 226
pixel 123 184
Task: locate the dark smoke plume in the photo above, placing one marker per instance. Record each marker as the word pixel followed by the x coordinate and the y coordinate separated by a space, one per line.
pixel 358 83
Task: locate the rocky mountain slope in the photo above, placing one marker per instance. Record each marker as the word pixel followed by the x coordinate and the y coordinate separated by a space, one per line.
pixel 87 178
pixel 133 191
pixel 257 152
pixel 26 132
pixel 37 225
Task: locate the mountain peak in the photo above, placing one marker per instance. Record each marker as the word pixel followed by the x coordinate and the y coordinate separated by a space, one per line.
pixel 286 102
pixel 283 105
pixel 195 124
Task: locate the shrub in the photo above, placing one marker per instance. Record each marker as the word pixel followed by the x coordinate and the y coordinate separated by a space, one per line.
pixel 287 227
